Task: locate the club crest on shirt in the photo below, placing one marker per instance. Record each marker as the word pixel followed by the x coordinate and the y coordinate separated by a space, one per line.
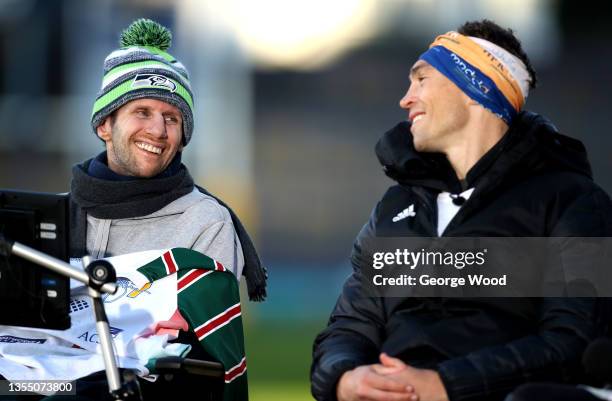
pixel 125 287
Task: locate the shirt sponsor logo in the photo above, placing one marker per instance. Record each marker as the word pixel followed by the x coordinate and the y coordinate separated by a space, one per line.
pixel 14 340
pixel 92 337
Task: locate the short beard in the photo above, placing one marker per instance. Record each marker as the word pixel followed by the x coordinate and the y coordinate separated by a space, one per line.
pixel 121 154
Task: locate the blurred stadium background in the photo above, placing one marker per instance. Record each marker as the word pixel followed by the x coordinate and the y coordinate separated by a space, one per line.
pixel 291 97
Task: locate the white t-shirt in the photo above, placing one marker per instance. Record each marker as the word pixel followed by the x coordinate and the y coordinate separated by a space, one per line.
pixel 447 209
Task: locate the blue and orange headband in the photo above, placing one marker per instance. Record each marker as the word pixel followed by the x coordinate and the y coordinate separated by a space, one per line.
pixel 487 73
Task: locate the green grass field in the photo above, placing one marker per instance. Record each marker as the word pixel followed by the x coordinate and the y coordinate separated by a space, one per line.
pixel 279 356
pixel 298 391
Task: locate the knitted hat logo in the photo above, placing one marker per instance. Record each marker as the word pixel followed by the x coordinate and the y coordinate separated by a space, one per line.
pixel 142 68
pixel 148 80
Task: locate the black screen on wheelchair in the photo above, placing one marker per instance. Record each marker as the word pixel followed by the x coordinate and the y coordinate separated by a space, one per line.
pixel 31 295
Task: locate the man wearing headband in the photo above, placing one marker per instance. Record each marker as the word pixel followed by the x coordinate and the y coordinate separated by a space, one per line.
pixel 468 162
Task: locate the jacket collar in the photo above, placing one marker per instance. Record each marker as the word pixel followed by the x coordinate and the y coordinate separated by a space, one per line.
pixel 531 144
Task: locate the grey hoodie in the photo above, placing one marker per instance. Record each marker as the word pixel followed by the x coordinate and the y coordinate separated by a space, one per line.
pixel 195 221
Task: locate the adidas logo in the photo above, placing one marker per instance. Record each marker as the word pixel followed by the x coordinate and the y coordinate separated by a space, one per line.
pixel 408 212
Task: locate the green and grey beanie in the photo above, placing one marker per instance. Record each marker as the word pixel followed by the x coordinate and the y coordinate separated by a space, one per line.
pixel 142 68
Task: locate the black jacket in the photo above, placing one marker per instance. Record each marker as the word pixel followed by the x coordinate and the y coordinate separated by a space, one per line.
pixel 533 183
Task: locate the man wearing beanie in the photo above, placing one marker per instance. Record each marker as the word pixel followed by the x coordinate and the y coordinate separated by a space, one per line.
pixel 468 162
pixel 137 195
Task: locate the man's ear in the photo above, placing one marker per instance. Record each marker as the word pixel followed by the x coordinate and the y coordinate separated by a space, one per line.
pixel 104 129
